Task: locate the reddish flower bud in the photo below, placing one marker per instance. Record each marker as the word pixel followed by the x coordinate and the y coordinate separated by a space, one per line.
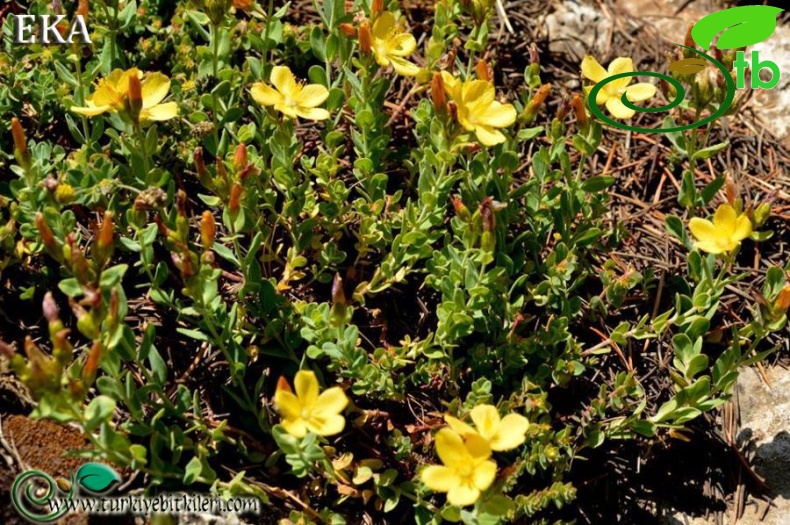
pixel 365 38
pixel 135 98
pixel 581 114
pixel 106 230
pixel 208 230
pixel 484 70
pixel 437 93
pixel 83 9
pixel 91 364
pixel 783 300
pixel 240 158
pixel 338 292
pixel 235 198
pixel 50 308
pixel 534 56
pixel 47 237
pixel 18 133
pixel 348 29
pixel 376 6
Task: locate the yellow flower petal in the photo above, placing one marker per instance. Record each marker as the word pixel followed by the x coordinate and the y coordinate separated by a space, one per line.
pixel 498 115
pixel 743 228
pixel 478 92
pixel 477 448
pixel 702 230
pixel 592 69
pixel 404 67
pixel 724 220
pixel 312 96
pixel 332 401
pixel 311 113
pixel 709 247
pixel 283 79
pixel 306 386
pixel 621 65
pixel 287 404
pixel 403 44
pixel 486 419
pixel 450 448
pixel 90 111
pixel 328 426
pixel 296 427
pixel 155 87
pixel 383 25
pixel 618 110
pixel 640 92
pixel 463 495
pixel 511 432
pixel 489 136
pixel 484 474
pixel 160 112
pixel 265 95
pixel 439 478
pixel 458 425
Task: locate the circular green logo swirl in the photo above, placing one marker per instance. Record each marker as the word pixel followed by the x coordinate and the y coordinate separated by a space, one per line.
pixel 681 93
pixel 27 490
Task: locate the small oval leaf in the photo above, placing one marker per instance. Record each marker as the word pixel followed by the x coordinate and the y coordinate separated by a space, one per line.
pixel 688 66
pixel 96 477
pixel 743 26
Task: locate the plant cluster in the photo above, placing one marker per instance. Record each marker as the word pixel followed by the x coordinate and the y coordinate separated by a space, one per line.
pixel 218 200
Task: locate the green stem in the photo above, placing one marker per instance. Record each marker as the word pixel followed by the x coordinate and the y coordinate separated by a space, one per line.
pixel 269 12
pixel 215 37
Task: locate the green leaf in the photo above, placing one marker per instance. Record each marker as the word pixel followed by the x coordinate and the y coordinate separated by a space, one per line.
pixel 599 183
pixel 96 477
pixel 99 410
pixel 710 151
pixel 193 470
pixel 111 277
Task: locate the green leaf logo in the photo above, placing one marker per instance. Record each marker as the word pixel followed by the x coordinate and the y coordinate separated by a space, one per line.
pixel 96 477
pixel 742 26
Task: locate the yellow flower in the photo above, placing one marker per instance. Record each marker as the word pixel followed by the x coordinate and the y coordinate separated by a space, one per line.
pixel 477 109
pixel 722 235
pixel 291 98
pixel 390 46
pixel 112 95
pixel 501 433
pixel 613 91
pixel 467 469
pixel 307 411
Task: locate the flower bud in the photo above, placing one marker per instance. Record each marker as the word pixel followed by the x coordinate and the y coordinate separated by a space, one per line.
pixel 563 109
pixel 534 105
pixel 91 364
pixel 50 308
pixel 216 9
pixel 348 29
pixel 200 167
pixel 21 152
pixel 534 56
pixel 581 114
pixel 104 240
pixel 240 158
pixel 483 70
pixel 782 302
pixel 244 5
pixel 47 237
pixel 135 100
pixel 761 214
pixel 688 41
pixel 83 10
pixel 437 93
pixel 376 6
pixel 208 230
pixel 235 198
pixel 460 209
pixel 365 38
pixel 338 292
